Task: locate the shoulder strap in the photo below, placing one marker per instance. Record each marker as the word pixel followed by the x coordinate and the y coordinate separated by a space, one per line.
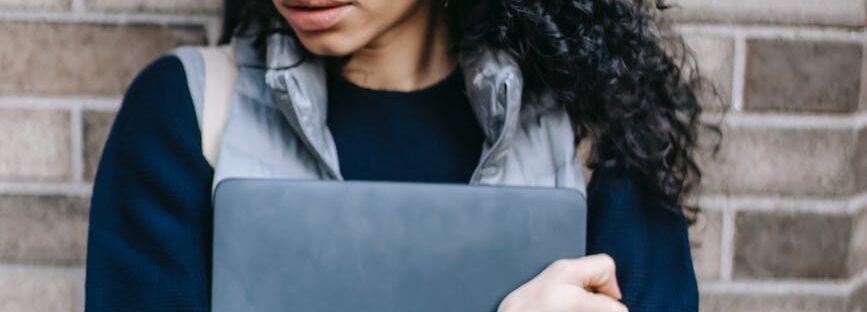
pixel 220 75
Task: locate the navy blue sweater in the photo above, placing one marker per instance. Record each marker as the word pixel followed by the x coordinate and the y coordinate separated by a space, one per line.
pixel 149 247
pixel 429 135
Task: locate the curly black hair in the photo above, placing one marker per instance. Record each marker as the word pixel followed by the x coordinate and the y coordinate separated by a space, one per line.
pixel 620 76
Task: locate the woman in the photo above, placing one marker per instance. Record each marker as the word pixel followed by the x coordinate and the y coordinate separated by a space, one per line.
pixel 461 91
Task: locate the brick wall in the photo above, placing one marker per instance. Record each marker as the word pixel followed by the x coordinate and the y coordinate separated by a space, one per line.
pixel 64 65
pixel 784 226
pixel 784 223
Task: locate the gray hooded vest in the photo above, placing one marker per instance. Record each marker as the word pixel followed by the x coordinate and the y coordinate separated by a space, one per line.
pixel 277 129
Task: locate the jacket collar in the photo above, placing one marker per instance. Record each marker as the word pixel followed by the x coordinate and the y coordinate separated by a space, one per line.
pixel 494 86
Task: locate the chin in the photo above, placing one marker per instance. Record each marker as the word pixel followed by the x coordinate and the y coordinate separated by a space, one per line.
pixel 334 45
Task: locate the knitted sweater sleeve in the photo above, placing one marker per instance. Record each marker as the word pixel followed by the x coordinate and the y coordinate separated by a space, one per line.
pixel 149 245
pixel 648 242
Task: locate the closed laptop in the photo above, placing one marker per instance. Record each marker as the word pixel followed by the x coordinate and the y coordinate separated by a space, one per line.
pixel 283 245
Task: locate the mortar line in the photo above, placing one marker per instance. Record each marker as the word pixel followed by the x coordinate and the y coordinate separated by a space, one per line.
pixel 76 135
pixel 861 117
pixel 857 204
pixel 791 120
pixel 81 189
pixel 844 287
pixel 108 18
pixel 841 205
pixel 794 33
pixel 739 64
pixel 727 244
pixel 780 287
pixel 213 30
pixel 54 102
pixel 74 269
pixel 80 293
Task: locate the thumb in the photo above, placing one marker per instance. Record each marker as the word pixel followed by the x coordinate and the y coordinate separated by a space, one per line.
pixel 595 273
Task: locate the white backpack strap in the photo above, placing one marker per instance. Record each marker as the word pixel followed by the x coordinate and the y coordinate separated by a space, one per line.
pixel 219 88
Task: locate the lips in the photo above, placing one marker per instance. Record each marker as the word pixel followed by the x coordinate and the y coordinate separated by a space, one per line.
pixel 315 15
pixel 313 4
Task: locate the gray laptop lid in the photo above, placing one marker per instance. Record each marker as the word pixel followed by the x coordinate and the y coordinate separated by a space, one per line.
pixel 360 246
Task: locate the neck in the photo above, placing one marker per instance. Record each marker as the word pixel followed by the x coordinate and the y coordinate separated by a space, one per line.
pixel 412 55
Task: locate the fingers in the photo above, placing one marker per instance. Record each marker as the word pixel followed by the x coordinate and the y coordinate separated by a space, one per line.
pixel 596 273
pixel 598 302
pixel 601 276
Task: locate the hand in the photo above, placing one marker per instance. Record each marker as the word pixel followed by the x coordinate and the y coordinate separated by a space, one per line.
pixel 574 285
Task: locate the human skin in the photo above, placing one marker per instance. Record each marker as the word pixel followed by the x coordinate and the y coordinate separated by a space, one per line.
pixel 396 45
pixel 403 45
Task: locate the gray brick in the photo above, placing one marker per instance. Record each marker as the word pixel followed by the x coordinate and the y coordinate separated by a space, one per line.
pixel 97 125
pixel 705 237
pixel 809 12
pixel 36 57
pixel 35 145
pixel 34 4
pixel 802 76
pixel 208 6
pixel 791 245
pixel 43 229
pixel 815 162
pixel 771 303
pixel 41 289
pixel 715 57
pixel 860 160
pixel 858 244
pixel 863 103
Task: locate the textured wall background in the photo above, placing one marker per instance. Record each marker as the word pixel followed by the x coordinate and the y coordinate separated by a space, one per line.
pixel 784 225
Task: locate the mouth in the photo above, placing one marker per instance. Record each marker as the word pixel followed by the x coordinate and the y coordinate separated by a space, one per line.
pixel 308 5
pixel 315 15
